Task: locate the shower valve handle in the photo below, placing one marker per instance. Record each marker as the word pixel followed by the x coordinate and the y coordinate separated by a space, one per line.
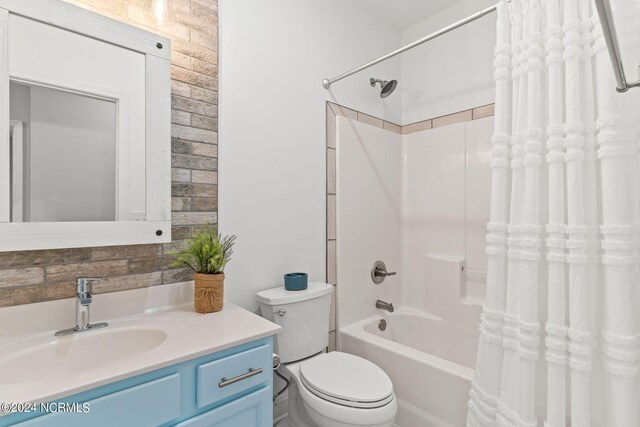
pixel 379 272
pixel 384 273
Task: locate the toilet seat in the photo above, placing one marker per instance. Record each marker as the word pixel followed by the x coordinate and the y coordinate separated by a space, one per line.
pixel 346 380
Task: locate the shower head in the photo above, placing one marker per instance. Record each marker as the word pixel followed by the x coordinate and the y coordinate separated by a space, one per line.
pixel 387 87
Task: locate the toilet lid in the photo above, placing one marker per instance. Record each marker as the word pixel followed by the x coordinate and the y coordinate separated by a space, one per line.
pixel 346 379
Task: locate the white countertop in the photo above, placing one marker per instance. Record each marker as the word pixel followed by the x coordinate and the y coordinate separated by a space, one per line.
pixel 188 335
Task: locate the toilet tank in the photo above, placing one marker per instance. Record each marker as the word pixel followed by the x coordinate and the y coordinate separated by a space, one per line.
pixel 303 316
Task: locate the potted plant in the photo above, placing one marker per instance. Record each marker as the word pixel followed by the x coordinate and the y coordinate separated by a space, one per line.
pixel 207 253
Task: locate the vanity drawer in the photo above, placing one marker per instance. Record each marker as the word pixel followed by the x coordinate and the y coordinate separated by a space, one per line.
pixel 149 404
pixel 232 375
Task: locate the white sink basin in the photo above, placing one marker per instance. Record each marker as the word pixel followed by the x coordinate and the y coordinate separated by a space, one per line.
pixel 71 355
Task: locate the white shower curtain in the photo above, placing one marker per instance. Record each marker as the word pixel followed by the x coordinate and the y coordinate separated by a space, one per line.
pixel 560 330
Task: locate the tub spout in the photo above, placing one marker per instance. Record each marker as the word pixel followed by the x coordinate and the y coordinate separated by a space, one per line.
pixel 385 306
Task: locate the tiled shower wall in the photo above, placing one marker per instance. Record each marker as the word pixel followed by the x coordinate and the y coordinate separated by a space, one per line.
pixel 332 111
pixel 32 276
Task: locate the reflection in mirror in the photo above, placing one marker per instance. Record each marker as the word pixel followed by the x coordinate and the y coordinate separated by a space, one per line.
pixel 63 155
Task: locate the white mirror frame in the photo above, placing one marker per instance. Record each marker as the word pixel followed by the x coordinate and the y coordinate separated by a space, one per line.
pixel 156 226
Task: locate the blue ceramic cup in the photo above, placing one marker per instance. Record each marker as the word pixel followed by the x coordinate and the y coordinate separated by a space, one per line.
pixel 296 281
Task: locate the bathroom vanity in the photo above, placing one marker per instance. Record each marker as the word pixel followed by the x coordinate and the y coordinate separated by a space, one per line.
pixel 160 366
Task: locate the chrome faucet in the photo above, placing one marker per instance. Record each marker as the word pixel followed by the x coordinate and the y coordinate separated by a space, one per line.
pixel 385 306
pixel 83 301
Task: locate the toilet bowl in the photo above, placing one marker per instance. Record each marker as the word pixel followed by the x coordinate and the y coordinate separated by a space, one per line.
pixel 338 390
pixel 326 389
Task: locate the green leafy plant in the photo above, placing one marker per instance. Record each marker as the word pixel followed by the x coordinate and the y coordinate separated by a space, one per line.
pixel 207 252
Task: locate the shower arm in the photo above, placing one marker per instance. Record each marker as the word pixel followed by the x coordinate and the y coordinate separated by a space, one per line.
pixel 328 82
pixel 611 38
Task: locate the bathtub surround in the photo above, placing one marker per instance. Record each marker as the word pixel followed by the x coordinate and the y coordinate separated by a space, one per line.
pixel 368 217
pixel 562 275
pixel 412 197
pixel 32 276
pixel 332 112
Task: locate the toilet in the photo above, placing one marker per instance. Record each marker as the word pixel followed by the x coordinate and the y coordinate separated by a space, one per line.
pixel 326 389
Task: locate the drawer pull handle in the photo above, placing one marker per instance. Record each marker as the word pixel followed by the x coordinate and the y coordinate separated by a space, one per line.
pixel 225 382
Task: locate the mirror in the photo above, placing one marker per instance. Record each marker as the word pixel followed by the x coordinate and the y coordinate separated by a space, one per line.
pixel 62 155
pixel 85 129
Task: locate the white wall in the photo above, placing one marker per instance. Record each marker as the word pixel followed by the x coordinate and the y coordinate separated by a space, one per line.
pixel 369 216
pixel 453 72
pixel 273 57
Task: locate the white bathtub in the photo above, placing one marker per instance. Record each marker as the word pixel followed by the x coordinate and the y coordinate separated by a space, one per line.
pixel 430 364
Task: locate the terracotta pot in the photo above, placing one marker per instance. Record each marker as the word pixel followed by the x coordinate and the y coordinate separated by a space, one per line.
pixel 209 292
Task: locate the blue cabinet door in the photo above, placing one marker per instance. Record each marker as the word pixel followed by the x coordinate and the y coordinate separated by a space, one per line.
pixel 252 410
pixel 149 404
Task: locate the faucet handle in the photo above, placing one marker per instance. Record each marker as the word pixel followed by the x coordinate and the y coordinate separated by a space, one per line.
pixel 379 272
pixel 84 284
